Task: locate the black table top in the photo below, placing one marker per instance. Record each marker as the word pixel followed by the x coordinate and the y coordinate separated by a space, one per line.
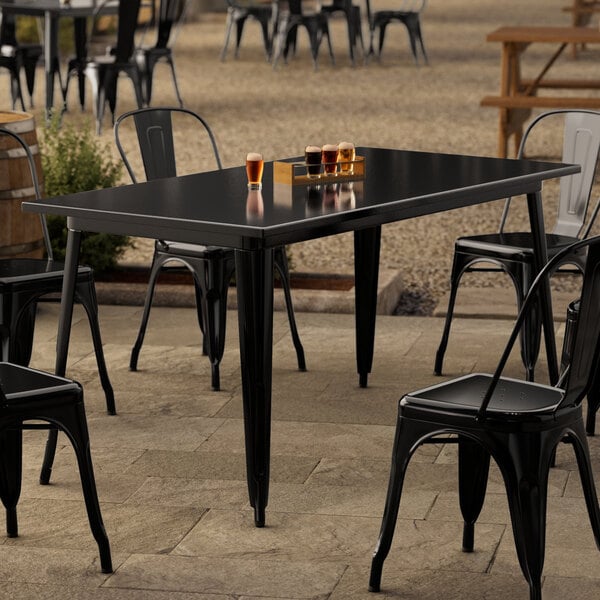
pixel 214 207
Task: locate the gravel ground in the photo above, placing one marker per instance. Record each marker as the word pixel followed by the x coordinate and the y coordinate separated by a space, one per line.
pixel 391 103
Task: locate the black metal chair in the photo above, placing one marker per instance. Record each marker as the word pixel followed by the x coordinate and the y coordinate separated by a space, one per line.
pixel 15 56
pixel 103 71
pixel 26 281
pixel 30 395
pixel 409 14
pixel 212 267
pixel 171 14
pixel 238 12
pixel 286 30
pixel 519 424
pixel 512 252
pixel 352 15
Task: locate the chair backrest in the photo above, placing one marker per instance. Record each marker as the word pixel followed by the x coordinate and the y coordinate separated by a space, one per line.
pixel 586 344
pixel 581 145
pixel 127 15
pixel 154 128
pixel 26 152
pixel 8 29
pixel 171 13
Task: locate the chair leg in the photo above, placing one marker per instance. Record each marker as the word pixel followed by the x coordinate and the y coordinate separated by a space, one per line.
pixel 531 332
pixel 408 435
pixel 155 269
pixel 593 400
pixel 239 30
pixel 177 93
pixel 217 273
pixel 49 454
pixel 455 276
pixel 473 469
pixel 281 264
pixel 228 28
pixel 582 453
pixel 11 460
pixel 266 38
pixel 525 472
pixel 74 424
pixel 85 292
pixel 22 326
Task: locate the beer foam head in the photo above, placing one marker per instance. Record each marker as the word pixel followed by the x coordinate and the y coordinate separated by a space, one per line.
pixel 253 156
pixel 312 149
pixel 330 147
pixel 345 145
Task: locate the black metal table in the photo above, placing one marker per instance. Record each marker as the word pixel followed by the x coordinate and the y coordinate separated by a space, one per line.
pixel 214 208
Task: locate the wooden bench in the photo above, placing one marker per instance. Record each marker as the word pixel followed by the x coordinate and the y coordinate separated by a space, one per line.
pixel 515 110
pixel 582 12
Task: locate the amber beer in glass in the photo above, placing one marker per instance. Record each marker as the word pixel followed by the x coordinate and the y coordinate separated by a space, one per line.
pixel 346 154
pixel 254 170
pixel 312 158
pixel 329 158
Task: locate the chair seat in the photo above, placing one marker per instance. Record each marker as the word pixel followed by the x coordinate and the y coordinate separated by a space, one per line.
pixel 22 382
pixel 17 270
pixel 515 245
pixel 191 250
pixel 464 394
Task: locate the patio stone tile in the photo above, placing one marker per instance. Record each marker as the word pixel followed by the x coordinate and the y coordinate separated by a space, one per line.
pixel 239 577
pixel 52 565
pixel 311 439
pixel 331 538
pixel 411 584
pixel 25 591
pixel 358 501
pixel 218 465
pixel 163 491
pixel 130 528
pixel 143 431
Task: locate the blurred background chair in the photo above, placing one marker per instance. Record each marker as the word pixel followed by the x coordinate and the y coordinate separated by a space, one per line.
pixel 17 57
pixel 519 424
pixel 102 71
pixel 353 18
pixel 408 12
pixel 30 395
pixel 26 281
pixel 289 20
pixel 212 267
pixel 239 11
pixel 512 252
pixel 170 17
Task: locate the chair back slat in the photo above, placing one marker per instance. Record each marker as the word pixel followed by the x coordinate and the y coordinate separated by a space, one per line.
pixel 128 18
pixel 581 142
pixel 154 129
pixel 171 12
pixel 155 136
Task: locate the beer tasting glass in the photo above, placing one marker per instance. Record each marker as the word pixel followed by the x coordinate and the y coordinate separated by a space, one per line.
pixel 329 158
pixel 312 158
pixel 254 170
pixel 346 154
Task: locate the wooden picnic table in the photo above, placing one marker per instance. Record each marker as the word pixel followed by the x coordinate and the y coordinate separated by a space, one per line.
pixel 519 95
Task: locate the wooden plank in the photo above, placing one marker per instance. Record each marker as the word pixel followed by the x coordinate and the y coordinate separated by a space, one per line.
pixel 540 102
pixel 565 84
pixel 556 35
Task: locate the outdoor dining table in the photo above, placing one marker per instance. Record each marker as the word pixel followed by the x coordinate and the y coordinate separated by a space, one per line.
pixel 518 95
pixel 215 208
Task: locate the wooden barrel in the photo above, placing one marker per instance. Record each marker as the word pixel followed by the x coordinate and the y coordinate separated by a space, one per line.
pixel 20 233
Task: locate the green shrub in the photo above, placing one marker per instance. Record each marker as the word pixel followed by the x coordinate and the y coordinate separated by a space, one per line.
pixel 74 161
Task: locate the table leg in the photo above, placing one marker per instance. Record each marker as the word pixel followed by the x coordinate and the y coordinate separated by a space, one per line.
pixel 64 333
pixel 367 243
pixel 536 219
pixel 254 281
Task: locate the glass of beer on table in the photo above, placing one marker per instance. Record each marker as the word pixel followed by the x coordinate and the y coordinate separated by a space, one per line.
pixel 329 158
pixel 312 158
pixel 346 154
pixel 254 170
